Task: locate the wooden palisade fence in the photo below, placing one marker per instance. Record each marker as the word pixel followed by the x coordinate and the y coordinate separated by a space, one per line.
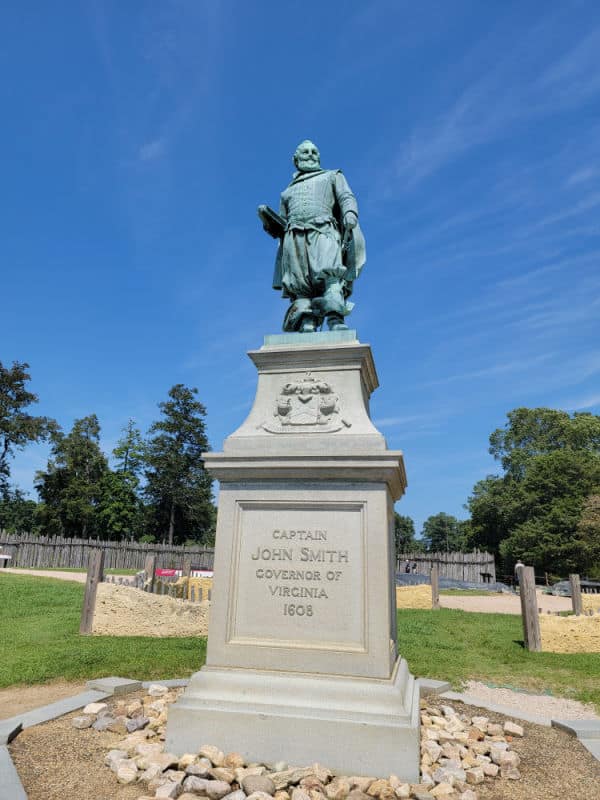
pixel 55 551
pixel 476 567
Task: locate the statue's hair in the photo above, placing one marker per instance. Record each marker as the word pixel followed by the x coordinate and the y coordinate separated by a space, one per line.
pixel 306 141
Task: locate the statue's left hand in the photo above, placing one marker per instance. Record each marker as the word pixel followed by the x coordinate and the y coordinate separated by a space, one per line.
pixel 350 222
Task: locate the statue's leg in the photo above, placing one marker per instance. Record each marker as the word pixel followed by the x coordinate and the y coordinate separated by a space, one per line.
pixel 300 316
pixel 333 305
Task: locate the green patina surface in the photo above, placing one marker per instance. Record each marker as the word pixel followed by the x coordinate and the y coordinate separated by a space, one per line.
pixel 321 247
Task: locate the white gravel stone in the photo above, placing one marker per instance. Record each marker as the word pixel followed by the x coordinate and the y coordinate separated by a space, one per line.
pixel 512 729
pixel 82 722
pixel 94 708
pixel 127 771
pixel 158 690
pixel 237 795
pixel 216 756
pixel 259 796
pixel 475 775
pixel 114 757
pixel 258 783
pixel 215 790
pixel 169 789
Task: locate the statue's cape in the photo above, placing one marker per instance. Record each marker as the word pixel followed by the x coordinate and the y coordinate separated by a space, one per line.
pixel 355 254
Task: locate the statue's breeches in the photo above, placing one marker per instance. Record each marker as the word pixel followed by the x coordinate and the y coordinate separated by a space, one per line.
pixel 311 260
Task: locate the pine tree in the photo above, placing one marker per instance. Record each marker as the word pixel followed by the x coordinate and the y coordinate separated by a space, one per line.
pixel 178 488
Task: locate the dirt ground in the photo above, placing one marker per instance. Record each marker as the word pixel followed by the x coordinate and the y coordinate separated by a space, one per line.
pixel 79 577
pixel 55 761
pixel 124 611
pixel 17 699
pixel 570 634
pixel 492 603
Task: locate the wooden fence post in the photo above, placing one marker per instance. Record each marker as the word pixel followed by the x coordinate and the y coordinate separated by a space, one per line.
pixel 576 594
pixel 95 574
pixel 149 569
pixel 187 567
pixel 529 609
pixel 435 586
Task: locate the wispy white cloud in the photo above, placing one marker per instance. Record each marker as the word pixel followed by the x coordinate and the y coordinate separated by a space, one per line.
pixel 583 403
pixel 516 89
pixel 152 150
pixel 582 175
pixel 517 365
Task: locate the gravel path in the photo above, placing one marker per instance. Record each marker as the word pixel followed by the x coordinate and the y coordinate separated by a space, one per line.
pixel 497 603
pixel 541 704
pixel 79 577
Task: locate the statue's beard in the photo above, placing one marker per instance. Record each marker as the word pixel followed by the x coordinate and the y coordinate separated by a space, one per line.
pixel 308 165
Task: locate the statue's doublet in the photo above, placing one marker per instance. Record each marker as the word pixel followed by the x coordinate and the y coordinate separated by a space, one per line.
pixel 313 208
pixel 316 198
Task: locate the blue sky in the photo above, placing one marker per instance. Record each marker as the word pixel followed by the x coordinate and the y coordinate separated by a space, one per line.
pixel 138 139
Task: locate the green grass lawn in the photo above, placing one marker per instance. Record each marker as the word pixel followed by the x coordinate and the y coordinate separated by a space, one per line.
pixel 39 631
pixel 39 618
pixel 458 645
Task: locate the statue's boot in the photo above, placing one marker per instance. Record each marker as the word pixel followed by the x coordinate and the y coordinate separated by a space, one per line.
pixel 308 325
pixel 300 316
pixel 336 322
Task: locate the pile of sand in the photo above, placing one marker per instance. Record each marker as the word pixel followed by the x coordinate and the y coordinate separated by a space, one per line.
pixel 123 611
pixel 413 596
pixel 570 634
pixel 591 601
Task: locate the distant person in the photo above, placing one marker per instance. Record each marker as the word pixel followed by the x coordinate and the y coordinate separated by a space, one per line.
pixel 518 565
pixel 414 567
pixel 407 566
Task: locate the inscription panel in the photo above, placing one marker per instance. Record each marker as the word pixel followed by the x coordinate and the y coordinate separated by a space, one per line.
pixel 298 576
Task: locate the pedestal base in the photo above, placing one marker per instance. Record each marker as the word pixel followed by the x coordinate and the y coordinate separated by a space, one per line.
pixel 354 726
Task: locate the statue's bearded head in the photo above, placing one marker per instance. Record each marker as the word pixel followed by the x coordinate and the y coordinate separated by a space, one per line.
pixel 307 157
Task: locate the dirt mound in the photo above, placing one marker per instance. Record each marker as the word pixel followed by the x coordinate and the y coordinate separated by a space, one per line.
pixel 123 611
pixel 591 601
pixel 413 596
pixel 570 634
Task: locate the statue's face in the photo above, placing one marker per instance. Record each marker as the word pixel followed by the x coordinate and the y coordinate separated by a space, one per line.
pixel 306 157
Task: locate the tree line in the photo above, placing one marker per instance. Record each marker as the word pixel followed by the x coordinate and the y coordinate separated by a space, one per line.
pixel 155 490
pixel 542 505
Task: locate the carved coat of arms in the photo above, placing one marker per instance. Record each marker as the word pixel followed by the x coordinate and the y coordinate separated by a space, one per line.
pixel 308 405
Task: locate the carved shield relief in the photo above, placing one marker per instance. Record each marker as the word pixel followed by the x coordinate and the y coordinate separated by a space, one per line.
pixel 308 405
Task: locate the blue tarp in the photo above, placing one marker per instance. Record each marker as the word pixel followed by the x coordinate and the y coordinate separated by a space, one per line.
pixel 416 579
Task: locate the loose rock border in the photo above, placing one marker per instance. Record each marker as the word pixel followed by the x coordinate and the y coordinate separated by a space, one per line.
pixel 143 727
pixel 458 753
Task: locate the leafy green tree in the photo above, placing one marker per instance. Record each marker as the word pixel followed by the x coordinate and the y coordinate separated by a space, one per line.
pixel 553 494
pixel 71 487
pixel 442 532
pixel 129 451
pixel 17 427
pixel 120 510
pixel 404 535
pixel 178 488
pixel 531 432
pixel 535 510
pixel 17 513
pixel 588 533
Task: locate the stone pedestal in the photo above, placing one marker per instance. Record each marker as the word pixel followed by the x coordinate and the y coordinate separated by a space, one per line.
pixel 302 663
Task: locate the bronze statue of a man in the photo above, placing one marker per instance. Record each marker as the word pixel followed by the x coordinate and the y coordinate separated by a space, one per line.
pixel 321 248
